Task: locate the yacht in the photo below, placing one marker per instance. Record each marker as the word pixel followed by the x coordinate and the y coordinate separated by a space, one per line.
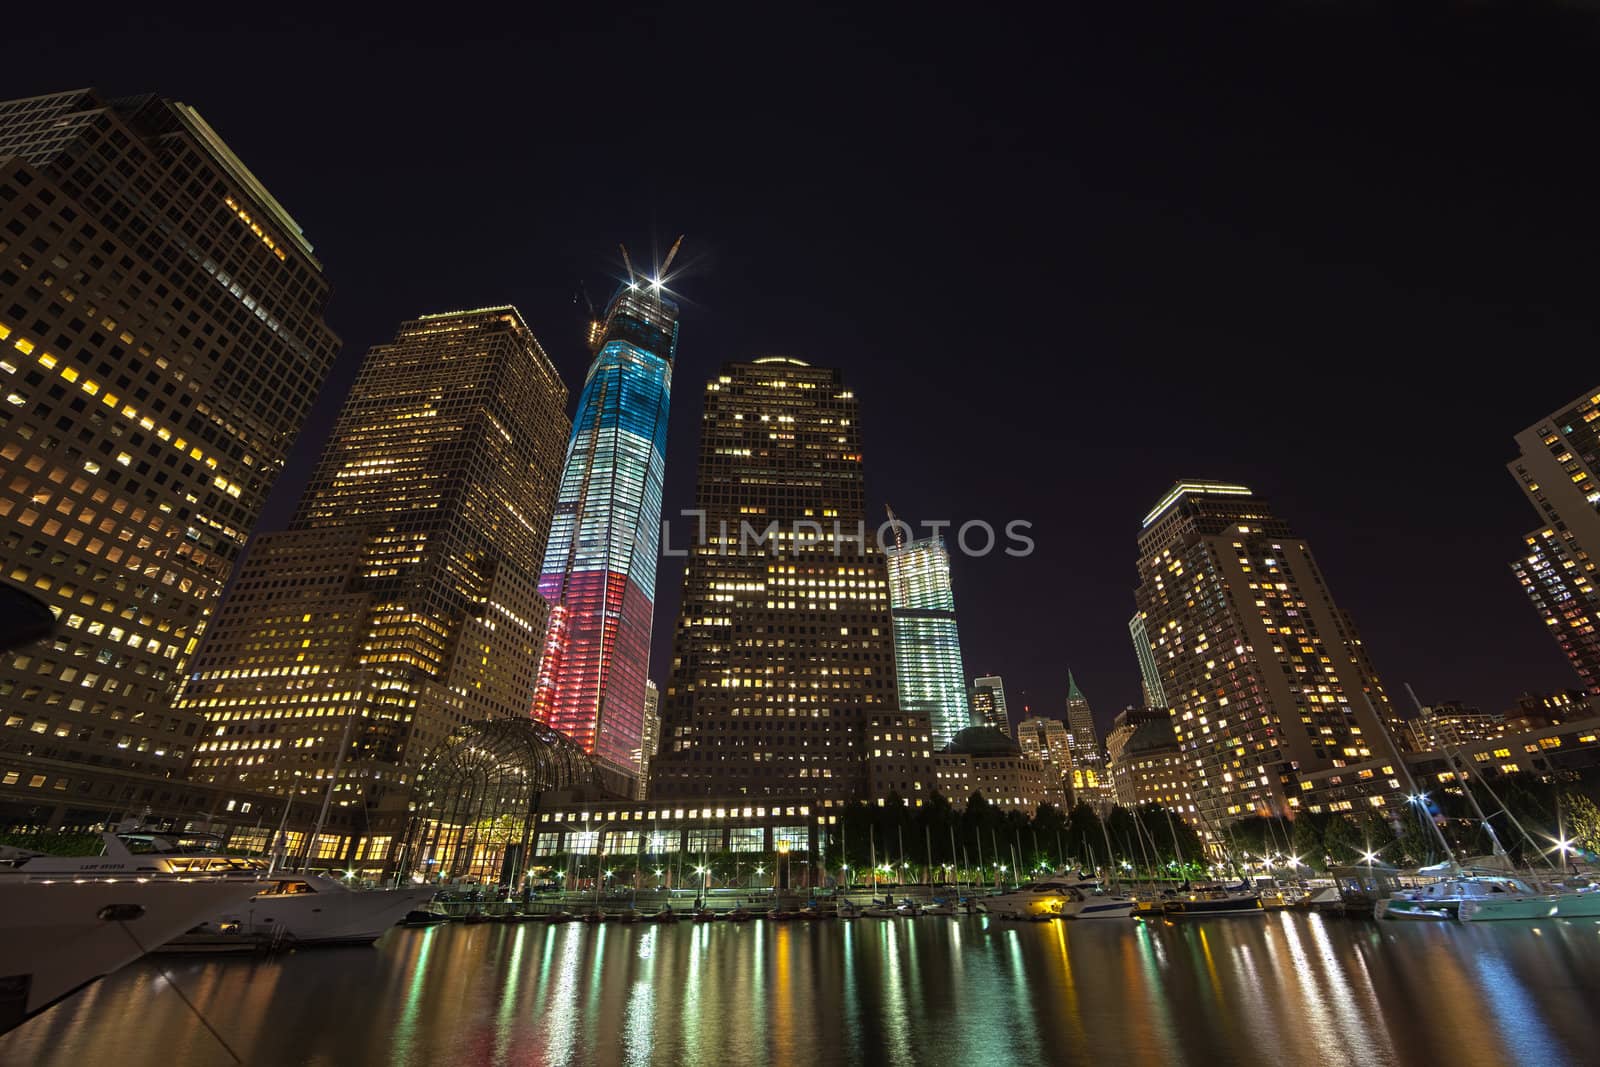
pixel 1217 900
pixel 58 935
pixel 1443 899
pixel 1039 900
pixel 300 909
pixel 1085 902
pixel 1062 896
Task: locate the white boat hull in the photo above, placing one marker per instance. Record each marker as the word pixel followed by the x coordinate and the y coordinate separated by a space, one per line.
pixel 1099 908
pixel 332 917
pixel 53 940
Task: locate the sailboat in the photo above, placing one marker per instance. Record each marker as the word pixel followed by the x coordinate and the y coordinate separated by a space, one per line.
pixel 1485 895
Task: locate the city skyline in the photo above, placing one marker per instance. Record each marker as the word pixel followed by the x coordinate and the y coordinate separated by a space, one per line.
pixel 753 265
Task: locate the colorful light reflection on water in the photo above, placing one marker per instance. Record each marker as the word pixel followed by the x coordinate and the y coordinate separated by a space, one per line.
pixel 1285 988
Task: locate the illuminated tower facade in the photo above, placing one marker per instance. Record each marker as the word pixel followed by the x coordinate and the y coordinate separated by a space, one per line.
pixel 783 651
pixel 989 704
pixel 1149 676
pixel 402 600
pixel 599 572
pixel 1267 680
pixel 1559 470
pixel 161 342
pixel 927 648
pixel 1090 783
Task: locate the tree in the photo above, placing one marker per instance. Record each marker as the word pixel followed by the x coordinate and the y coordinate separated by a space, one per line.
pixel 1581 817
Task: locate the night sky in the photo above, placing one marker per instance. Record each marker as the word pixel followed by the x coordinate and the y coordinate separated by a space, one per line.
pixel 1337 254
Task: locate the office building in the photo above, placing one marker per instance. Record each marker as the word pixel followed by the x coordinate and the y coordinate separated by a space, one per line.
pixel 599 571
pixel 1143 760
pixel 650 736
pixel 1267 677
pixel 1090 784
pixel 161 342
pixel 402 601
pixel 899 757
pixel 982 760
pixel 927 648
pixel 1046 741
pixel 989 704
pixel 783 649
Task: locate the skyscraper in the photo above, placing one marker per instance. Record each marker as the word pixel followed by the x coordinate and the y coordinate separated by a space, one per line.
pixel 783 648
pixel 1267 679
pixel 650 736
pixel 402 601
pixel 927 647
pixel 161 342
pixel 1149 676
pixel 600 565
pixel 1090 783
pixel 989 704
pixel 1559 470
pixel 1045 739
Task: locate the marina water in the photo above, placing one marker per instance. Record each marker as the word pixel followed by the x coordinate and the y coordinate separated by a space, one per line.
pixel 1283 988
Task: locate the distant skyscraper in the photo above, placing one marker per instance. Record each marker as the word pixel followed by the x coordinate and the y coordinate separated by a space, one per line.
pixel 1559 470
pixel 161 342
pixel 989 704
pixel 650 736
pixel 600 565
pixel 401 601
pixel 783 650
pixel 927 648
pixel 1149 676
pixel 1045 739
pixel 1090 783
pixel 1267 678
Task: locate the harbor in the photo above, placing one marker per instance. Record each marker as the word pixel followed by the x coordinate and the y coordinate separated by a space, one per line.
pixel 1284 987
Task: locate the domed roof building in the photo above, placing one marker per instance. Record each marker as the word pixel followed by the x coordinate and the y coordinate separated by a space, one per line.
pixel 981 759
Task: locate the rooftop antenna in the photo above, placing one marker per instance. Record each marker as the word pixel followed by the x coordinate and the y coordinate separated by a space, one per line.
pixel 899 546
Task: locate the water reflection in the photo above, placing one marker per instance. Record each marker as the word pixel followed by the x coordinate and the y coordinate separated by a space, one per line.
pixel 1284 988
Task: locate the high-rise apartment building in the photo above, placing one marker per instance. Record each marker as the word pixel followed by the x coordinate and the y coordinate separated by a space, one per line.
pixel 1090 783
pixel 1453 726
pixel 927 647
pixel 989 704
pixel 599 570
pixel 783 649
pixel 402 601
pixel 1149 676
pixel 161 342
pixel 1559 470
pixel 1267 677
pixel 650 735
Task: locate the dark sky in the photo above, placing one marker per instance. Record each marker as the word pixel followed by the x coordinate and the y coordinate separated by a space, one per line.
pixel 1338 254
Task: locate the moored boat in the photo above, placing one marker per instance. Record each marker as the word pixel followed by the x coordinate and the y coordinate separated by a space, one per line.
pixel 1443 899
pixel 1081 904
pixel 302 909
pixel 57 936
pixel 1207 903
